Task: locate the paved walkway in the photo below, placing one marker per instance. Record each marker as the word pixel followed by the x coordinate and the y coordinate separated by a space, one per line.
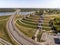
pixel 36 35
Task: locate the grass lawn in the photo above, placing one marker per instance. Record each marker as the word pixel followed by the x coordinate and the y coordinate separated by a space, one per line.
pixel 26 25
pixel 3 17
pixel 34 18
pixel 27 31
pixel 29 22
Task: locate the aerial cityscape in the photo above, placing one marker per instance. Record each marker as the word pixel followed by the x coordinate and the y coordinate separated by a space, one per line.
pixel 29 22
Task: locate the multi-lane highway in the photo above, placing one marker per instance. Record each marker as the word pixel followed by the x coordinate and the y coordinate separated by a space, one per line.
pixel 19 37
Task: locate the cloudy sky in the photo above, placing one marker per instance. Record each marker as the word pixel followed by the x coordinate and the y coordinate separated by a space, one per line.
pixel 29 3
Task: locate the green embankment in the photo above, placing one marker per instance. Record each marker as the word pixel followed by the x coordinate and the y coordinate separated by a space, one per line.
pixel 3 31
pixel 28 22
pixel 28 25
pixel 26 30
pixel 3 17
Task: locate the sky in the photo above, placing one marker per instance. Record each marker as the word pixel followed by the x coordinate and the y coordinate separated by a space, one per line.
pixel 29 3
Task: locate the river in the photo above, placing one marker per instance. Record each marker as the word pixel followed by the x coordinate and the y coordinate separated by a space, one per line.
pixel 11 13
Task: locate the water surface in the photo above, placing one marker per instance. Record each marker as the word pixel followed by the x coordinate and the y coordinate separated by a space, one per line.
pixel 11 13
